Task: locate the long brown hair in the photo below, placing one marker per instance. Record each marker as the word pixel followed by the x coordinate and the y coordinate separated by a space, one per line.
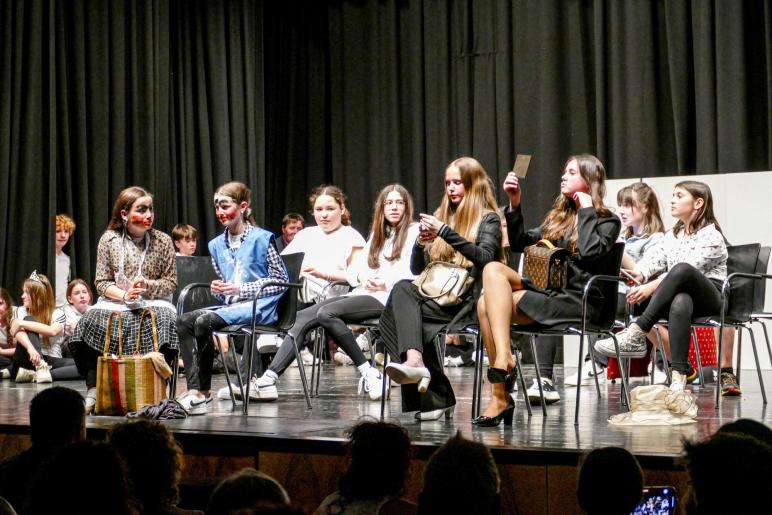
pixel 705 216
pixel 125 200
pixel 640 194
pixel 239 192
pixel 6 319
pixel 466 216
pixel 562 219
pixel 41 300
pixel 382 230
pixel 337 194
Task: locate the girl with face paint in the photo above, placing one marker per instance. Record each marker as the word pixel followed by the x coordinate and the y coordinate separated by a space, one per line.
pixel 136 268
pixel 244 257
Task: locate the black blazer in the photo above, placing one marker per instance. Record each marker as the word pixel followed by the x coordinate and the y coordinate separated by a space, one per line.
pixel 487 248
pixel 597 236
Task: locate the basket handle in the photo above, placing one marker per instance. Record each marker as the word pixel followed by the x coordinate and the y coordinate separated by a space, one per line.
pixel 153 325
pixel 106 349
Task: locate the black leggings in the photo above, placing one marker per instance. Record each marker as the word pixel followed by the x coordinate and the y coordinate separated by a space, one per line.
pixel 194 330
pixel 61 368
pixel 333 315
pixel 684 293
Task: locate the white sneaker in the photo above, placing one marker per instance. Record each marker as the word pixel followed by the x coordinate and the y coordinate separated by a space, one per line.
pixel 363 341
pixel 632 344
pixel 677 381
pixel 660 377
pixel 90 400
pixel 268 343
pixel 341 358
pixel 454 361
pixel 263 389
pixel 372 383
pixel 193 404
pixel 588 377
pixel 43 373
pixel 224 394
pixel 307 357
pixel 551 395
pixel 5 374
pixel 380 358
pixel 25 375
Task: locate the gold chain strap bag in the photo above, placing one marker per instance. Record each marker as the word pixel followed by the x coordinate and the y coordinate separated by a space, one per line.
pixel 128 382
pixel 546 265
pixel 444 283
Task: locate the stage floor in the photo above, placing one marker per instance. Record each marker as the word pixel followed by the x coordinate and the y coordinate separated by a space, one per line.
pixel 287 426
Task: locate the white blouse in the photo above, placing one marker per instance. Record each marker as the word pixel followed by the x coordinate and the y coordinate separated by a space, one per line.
pixel 388 271
pixel 705 250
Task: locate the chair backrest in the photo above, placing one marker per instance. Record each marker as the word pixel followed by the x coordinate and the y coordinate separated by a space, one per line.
pixel 760 291
pixel 744 259
pixel 608 311
pixel 288 304
pixel 195 269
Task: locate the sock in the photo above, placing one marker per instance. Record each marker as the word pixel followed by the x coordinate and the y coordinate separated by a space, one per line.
pixel 270 374
pixel 727 369
pixel 363 368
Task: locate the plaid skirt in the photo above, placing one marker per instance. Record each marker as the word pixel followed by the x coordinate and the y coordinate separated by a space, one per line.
pixel 92 327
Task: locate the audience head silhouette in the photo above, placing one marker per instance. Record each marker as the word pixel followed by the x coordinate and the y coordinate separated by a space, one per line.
pixel 610 482
pixel 480 492
pixel 750 461
pixel 57 417
pixel 383 443
pixel 247 490
pixel 154 460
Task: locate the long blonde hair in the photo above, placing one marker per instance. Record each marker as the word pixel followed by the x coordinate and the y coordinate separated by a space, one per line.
pixel 465 217
pixel 561 221
pixel 381 228
pixel 41 300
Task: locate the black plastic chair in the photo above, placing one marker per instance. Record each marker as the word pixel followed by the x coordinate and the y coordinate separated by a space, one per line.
pixel 582 327
pixel 738 299
pixel 287 309
pixel 759 315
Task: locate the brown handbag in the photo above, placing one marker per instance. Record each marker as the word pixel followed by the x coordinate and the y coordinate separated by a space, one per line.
pixel 128 382
pixel 546 265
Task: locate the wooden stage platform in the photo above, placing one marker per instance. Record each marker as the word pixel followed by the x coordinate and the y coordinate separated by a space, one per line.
pixel 303 448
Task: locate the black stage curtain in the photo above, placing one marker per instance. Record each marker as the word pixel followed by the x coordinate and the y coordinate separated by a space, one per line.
pixel 97 95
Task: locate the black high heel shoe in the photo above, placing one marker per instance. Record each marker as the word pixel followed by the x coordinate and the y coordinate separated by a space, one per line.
pixel 505 415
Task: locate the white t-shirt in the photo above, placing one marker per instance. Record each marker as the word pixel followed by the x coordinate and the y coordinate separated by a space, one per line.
pixel 328 252
pixel 62 278
pixel 389 271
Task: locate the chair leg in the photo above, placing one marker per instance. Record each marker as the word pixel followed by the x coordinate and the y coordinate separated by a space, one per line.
pixel 314 351
pixel 384 387
pixel 665 364
pixel 594 367
pixel 521 378
pixel 317 362
pixel 580 362
pixel 440 348
pixel 738 369
pixel 225 366
pixel 477 376
pixel 173 378
pixel 766 337
pixel 758 365
pixel 699 359
pixel 622 371
pixel 538 375
pixel 301 369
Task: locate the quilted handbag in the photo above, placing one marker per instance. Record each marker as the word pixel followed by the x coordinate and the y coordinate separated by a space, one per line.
pixel 128 382
pixel 444 283
pixel 546 265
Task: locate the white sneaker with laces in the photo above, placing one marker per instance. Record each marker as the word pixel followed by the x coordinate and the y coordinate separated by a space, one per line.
pixel 90 400
pixel 632 344
pixel 5 374
pixel 454 361
pixel 588 377
pixel 43 373
pixel 341 358
pixel 263 389
pixel 268 343
pixel 193 404
pixel 363 341
pixel 677 381
pixel 372 383
pixel 25 375
pixel 224 394
pixel 660 377
pixel 551 395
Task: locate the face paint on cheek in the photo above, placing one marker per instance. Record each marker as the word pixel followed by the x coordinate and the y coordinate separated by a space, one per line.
pixel 141 219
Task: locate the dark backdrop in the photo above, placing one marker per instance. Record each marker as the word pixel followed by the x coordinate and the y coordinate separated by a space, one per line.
pixel 180 96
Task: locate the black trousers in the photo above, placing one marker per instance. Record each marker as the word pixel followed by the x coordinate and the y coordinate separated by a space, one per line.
pixel 684 293
pixel 410 321
pixel 333 315
pixel 61 368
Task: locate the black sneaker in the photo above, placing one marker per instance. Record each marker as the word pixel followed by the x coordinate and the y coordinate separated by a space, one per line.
pixel 551 395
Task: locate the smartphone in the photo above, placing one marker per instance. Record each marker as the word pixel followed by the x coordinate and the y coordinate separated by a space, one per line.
pixel 657 500
pixel 629 276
